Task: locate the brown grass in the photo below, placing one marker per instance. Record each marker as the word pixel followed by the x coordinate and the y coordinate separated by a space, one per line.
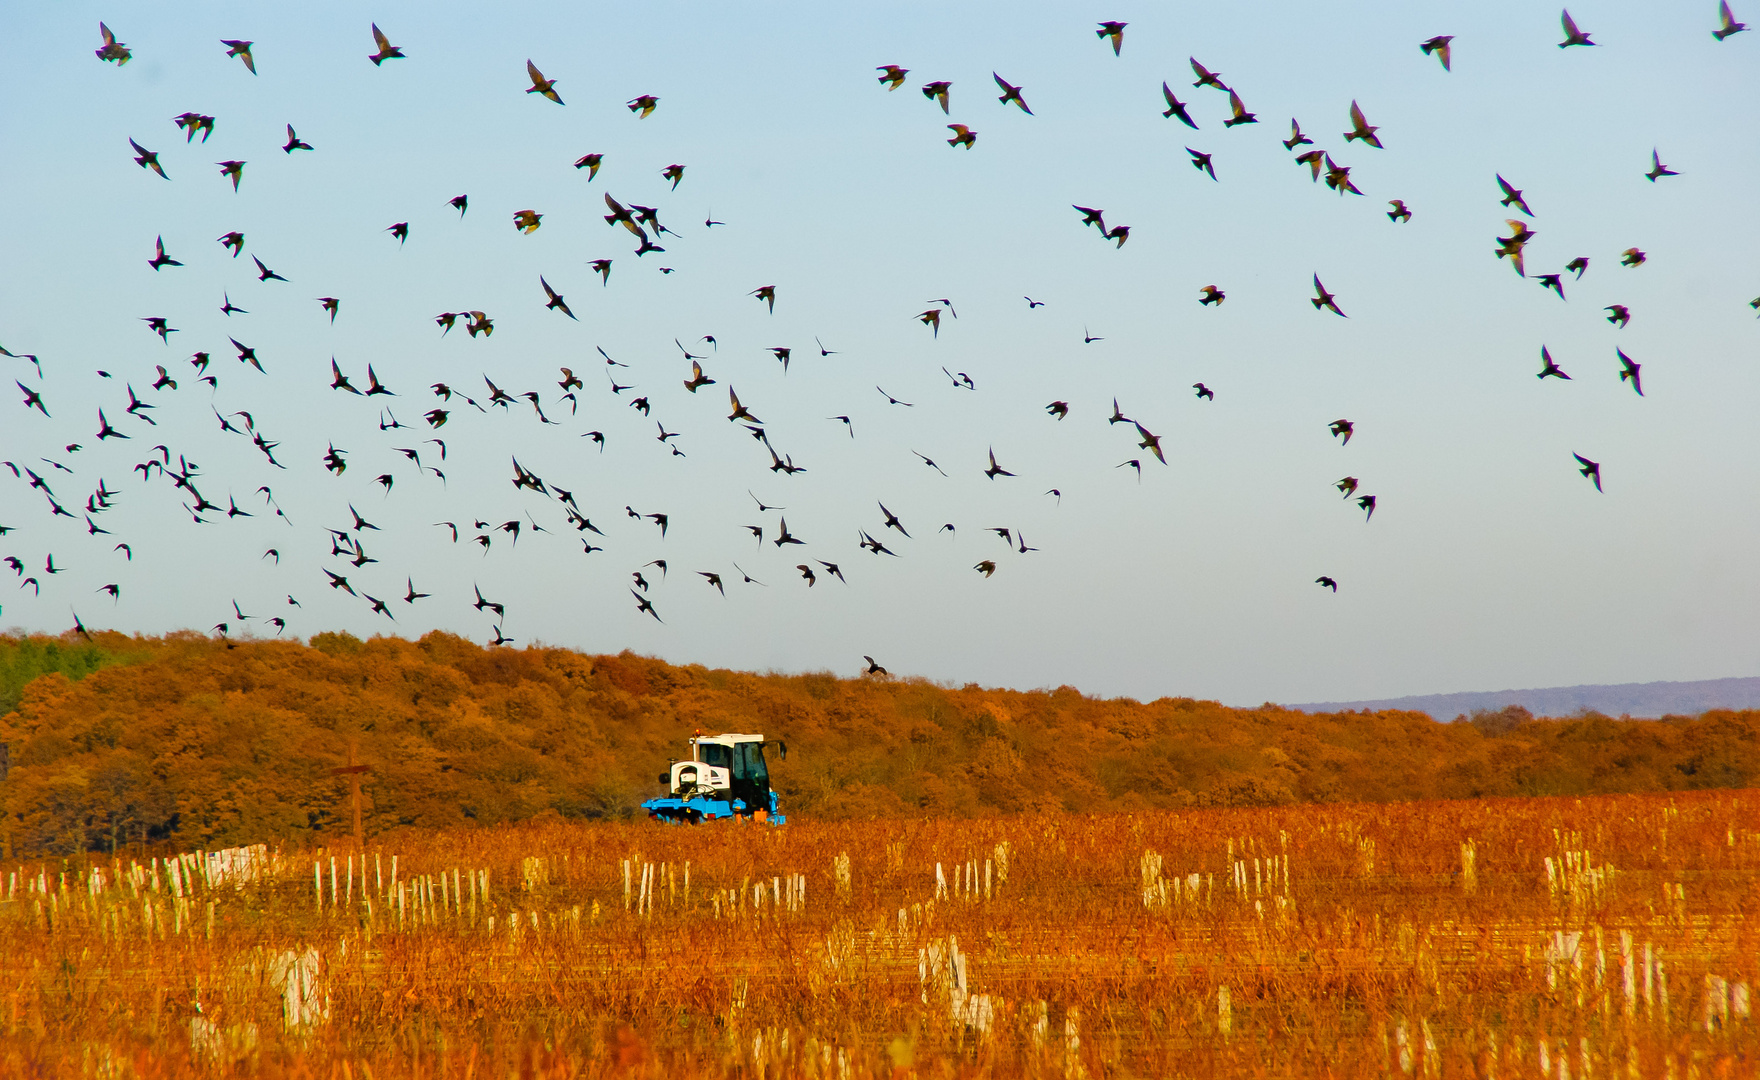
pixel 1359 945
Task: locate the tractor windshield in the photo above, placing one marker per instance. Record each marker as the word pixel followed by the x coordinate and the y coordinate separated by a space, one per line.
pixel 715 754
pixel 750 762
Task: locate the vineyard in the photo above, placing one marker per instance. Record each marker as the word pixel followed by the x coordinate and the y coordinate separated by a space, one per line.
pixel 1598 937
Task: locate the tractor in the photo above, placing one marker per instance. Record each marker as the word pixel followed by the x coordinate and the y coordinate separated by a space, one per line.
pixel 725 778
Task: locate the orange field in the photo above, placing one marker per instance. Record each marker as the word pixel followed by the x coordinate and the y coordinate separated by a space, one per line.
pixel 1612 936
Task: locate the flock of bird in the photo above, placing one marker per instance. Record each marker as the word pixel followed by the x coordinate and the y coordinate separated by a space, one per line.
pixel 129 416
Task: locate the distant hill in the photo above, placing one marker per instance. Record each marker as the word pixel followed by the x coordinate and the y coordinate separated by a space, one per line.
pixel 1652 699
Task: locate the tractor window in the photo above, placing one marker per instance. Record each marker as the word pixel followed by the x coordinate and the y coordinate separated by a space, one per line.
pixel 714 754
pixel 751 764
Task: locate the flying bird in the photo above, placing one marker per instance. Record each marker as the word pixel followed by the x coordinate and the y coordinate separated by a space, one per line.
pixel 1241 115
pixel 387 51
pixel 994 470
pixel 1577 266
pixel 1296 138
pixel 1548 368
pixel 1342 428
pixel 643 105
pixel 1325 582
pixel 1439 47
pixel 294 142
pixel 556 303
pixel 1628 370
pixel 1631 257
pixel 1572 35
pixel 541 85
pixel 1324 299
pixel 766 293
pixel 1362 129
pixel 1400 212
pixel 1204 392
pixel 1730 26
pixel 1115 31
pixel 1553 282
pixel 1176 107
pixel 234 169
pixel 1513 196
pixel 962 136
pixel 148 159
pixel 1657 168
pixel 264 273
pixel 1206 77
pixel 1367 503
pixel 893 75
pixel 937 91
pixel 115 52
pixel 1202 162
pixel 191 123
pixel 527 221
pixel 242 50
pixel 159 258
pixel 1590 469
pixel 1010 93
pixel 1210 294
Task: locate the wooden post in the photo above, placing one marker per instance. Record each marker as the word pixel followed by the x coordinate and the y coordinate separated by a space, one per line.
pixel 353 772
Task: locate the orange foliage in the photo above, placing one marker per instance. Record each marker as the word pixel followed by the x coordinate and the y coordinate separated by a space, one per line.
pixel 201 743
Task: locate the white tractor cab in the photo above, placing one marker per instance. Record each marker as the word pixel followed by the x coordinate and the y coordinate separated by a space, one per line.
pixel 725 777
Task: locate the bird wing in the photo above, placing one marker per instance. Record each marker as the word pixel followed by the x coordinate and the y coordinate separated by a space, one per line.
pixel 379 39
pixel 537 76
pixel 1569 24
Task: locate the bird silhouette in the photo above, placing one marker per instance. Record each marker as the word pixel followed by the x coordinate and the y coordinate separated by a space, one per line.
pixel 1548 368
pixel 1176 108
pixel 1010 93
pixel 892 76
pixel 242 50
pixel 1239 110
pixel 1572 35
pixel 147 159
pixel 1202 162
pixel 1115 31
pixel 1206 77
pixel 113 51
pixel 1362 129
pixel 1440 48
pixel 1628 371
pixel 1326 582
pixel 1324 299
pixel 937 91
pixel 541 85
pixel 1590 469
pixel 1725 17
pixel 1657 168
pixel 386 51
pixel 1513 196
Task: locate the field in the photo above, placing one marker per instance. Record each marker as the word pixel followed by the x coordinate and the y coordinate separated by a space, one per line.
pixel 1610 936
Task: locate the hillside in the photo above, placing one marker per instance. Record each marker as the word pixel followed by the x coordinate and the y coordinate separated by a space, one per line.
pixel 1651 699
pixel 193 741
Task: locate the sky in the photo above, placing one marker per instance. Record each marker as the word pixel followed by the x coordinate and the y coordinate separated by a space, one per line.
pixel 1489 560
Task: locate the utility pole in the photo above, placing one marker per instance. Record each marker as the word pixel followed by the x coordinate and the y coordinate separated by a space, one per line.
pixel 353 772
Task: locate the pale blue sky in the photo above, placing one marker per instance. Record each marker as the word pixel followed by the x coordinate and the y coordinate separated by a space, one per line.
pixel 1490 562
